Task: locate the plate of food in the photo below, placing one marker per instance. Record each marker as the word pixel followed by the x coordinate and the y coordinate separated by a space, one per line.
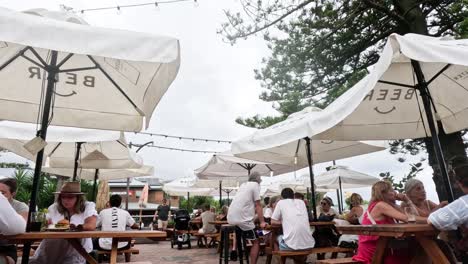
pixel 62 225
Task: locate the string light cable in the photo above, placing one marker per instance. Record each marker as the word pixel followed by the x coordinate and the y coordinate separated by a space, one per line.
pixel 176 149
pixel 155 4
pixel 185 138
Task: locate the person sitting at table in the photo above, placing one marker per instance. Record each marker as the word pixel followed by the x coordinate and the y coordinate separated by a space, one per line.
pixel 223 215
pixel 162 215
pixel 356 209
pixel 416 193
pixel 325 209
pixel 11 223
pixel 383 210
pixel 455 214
pixel 72 206
pixel 292 215
pixel 114 219
pixel 8 187
pixel 206 217
pixel 300 196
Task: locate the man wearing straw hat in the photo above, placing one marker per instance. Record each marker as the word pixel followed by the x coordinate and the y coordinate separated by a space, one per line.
pixel 81 215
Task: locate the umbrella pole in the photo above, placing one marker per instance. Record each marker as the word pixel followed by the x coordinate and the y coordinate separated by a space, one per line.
pixel 77 156
pixel 220 193
pixel 188 201
pixel 228 198
pixel 52 71
pixel 341 196
pixel 311 174
pixel 338 198
pixel 425 95
pixel 96 173
pixel 128 194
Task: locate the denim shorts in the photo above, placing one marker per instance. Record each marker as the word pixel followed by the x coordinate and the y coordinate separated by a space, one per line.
pixel 282 244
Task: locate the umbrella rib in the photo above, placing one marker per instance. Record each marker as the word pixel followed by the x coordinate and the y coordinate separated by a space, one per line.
pixel 55 148
pixel 44 63
pixel 33 62
pixel 79 69
pixel 65 60
pixel 397 84
pixel 439 73
pixel 20 53
pixel 115 84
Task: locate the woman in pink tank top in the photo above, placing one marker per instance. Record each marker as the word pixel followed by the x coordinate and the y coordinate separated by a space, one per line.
pixel 382 210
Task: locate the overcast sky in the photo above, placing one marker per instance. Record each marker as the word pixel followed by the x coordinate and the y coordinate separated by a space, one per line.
pixel 215 85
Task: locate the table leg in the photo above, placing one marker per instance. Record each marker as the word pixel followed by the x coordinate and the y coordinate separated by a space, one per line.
pixel 380 250
pixel 76 244
pixel 113 256
pixel 432 250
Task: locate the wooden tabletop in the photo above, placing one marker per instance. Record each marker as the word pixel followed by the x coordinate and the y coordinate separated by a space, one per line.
pixel 218 222
pixel 392 230
pixel 85 234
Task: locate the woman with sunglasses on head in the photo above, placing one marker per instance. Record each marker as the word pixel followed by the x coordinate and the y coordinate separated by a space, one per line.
pixel 416 193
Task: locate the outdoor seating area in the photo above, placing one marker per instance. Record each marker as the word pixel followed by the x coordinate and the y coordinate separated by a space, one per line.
pixel 336 132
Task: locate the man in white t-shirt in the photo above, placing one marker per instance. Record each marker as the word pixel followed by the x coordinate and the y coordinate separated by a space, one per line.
pixel 11 223
pixel 292 215
pixel 242 212
pixel 114 219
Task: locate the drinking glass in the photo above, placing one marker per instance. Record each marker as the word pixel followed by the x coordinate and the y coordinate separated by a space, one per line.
pixel 411 214
pixel 37 218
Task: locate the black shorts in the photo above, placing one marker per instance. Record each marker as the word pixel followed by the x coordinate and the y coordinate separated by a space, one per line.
pixel 9 250
pixel 249 234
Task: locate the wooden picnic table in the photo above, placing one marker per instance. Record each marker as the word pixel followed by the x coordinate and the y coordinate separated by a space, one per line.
pixel 73 239
pixel 424 234
pixel 218 223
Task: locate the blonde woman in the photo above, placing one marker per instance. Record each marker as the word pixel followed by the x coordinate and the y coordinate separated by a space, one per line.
pixel 416 193
pixel 356 209
pixel 383 210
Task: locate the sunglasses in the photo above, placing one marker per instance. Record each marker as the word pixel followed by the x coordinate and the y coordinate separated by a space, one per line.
pixel 323 203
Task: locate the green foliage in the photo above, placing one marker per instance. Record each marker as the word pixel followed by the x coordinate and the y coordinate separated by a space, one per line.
pixel 14 165
pixel 197 202
pixel 400 185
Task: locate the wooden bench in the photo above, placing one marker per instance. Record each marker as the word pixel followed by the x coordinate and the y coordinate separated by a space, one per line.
pixel 127 252
pixel 338 261
pixel 284 254
pixel 215 237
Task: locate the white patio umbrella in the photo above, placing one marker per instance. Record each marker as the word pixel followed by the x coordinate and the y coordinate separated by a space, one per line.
pixel 184 186
pixel 341 177
pixel 227 186
pixel 55 70
pixel 292 142
pixel 224 166
pixel 386 105
pixel 72 147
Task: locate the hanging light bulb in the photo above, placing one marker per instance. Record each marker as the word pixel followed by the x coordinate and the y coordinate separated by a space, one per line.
pixel 119 12
pixel 195 3
pixel 295 160
pixel 271 173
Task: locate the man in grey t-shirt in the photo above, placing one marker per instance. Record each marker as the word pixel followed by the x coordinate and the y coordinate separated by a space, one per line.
pixel 8 187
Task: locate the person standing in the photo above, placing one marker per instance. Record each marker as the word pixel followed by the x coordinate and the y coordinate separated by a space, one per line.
pixel 242 212
pixel 8 187
pixel 162 215
pixel 114 219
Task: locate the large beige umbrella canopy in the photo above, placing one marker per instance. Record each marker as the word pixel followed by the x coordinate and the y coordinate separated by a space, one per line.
pixel 57 71
pixel 419 81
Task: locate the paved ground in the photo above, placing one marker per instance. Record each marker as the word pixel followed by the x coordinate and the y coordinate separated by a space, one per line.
pixel 162 252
